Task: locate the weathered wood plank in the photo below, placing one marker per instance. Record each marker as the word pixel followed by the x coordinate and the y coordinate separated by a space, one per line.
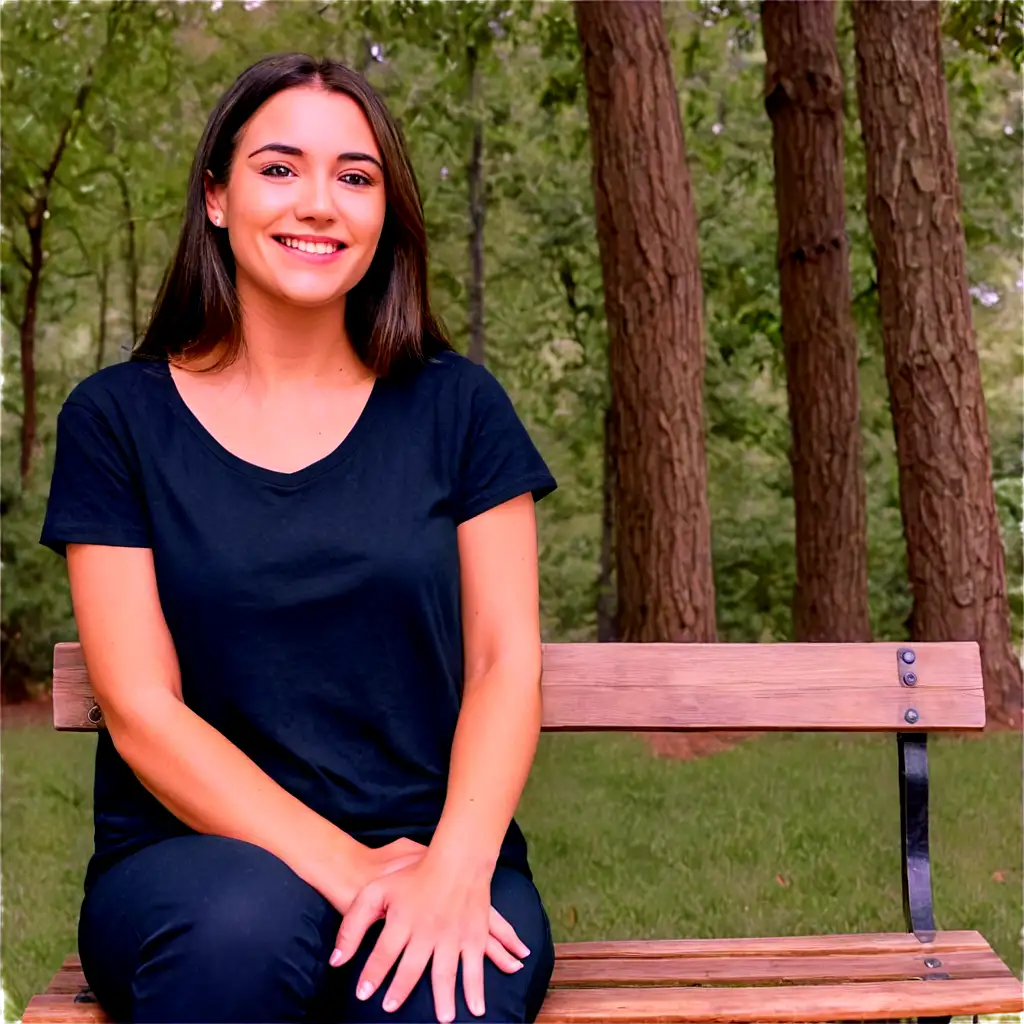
pixel 810 1004
pixel 771 970
pixel 636 687
pixel 786 945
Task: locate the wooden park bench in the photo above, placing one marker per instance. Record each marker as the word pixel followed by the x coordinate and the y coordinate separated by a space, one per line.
pixel 908 689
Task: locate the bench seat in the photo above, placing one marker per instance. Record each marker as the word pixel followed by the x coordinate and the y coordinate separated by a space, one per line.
pixel 818 978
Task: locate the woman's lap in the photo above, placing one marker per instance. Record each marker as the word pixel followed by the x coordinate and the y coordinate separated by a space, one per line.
pixel 204 928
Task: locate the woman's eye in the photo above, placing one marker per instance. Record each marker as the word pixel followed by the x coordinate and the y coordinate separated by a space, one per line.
pixel 275 167
pixel 362 179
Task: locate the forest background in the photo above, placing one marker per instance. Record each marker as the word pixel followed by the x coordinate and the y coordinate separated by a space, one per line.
pixel 104 103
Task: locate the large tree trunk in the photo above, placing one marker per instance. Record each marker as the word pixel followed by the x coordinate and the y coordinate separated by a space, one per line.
pixel 954 548
pixel 477 211
pixel 804 97
pixel 648 240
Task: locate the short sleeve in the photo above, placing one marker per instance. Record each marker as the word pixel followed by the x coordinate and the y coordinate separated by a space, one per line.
pixel 499 461
pixel 95 497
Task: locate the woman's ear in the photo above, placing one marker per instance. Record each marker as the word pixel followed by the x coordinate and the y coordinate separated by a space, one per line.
pixel 214 200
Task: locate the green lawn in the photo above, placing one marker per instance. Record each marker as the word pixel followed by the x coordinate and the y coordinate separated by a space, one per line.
pixel 625 845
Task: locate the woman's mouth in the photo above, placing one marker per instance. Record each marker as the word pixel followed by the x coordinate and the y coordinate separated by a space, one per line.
pixel 318 251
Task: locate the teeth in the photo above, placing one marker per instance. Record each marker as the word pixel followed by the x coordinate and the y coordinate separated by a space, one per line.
pixel 321 248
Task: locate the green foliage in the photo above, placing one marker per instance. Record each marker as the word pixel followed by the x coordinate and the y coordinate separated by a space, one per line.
pixel 160 67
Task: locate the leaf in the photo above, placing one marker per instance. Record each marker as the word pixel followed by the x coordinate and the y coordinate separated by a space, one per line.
pixel 782 881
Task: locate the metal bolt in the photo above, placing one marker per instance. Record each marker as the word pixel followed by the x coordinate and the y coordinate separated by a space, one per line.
pixel 909 657
pixel 910 678
pixel 933 962
pixel 911 716
pixel 95 714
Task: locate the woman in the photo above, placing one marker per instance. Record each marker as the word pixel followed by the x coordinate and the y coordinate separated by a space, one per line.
pixel 302 553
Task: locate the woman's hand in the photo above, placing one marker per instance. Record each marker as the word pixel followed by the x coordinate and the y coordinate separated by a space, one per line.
pixel 430 911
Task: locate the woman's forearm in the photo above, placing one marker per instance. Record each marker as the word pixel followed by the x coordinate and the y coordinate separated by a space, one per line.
pixel 214 788
pixel 494 747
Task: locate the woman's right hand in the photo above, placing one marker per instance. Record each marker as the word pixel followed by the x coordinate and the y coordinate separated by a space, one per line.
pixel 373 863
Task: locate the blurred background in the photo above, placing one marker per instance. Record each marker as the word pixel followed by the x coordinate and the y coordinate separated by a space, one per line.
pixel 103 105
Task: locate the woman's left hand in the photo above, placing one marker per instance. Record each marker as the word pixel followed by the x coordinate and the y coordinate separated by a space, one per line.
pixel 434 911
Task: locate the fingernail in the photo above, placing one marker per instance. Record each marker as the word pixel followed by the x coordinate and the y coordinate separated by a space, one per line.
pixel 525 952
pixel 477 1008
pixel 336 957
pixel 390 1005
pixel 364 990
pixel 519 966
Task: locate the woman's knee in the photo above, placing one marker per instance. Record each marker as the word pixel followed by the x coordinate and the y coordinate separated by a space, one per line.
pixel 224 931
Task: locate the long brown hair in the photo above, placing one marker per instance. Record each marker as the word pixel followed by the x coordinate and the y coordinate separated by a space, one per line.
pixel 387 314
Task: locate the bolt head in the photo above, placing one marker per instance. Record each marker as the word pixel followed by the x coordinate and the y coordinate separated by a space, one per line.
pixel 933 962
pixel 909 657
pixel 910 678
pixel 911 716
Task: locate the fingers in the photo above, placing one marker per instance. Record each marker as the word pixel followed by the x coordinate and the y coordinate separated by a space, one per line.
pixel 366 908
pixel 443 974
pixel 473 980
pixel 506 935
pixel 386 951
pixel 410 970
pixel 501 957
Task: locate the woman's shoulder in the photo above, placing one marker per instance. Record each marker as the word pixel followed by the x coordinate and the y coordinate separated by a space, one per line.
pixel 117 385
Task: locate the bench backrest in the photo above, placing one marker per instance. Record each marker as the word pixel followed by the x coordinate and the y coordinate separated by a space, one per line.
pixel 876 687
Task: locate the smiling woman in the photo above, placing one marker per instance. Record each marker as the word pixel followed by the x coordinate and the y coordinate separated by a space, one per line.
pixel 303 559
pixel 297 142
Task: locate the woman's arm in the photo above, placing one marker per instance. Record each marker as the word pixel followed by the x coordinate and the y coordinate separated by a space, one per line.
pixel 190 767
pixel 499 725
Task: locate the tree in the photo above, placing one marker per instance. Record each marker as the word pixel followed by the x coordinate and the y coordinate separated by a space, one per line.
pixel 955 554
pixel 804 98
pixel 647 235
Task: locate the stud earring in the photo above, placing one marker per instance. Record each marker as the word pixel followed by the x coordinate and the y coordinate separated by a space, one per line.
pixel 216 220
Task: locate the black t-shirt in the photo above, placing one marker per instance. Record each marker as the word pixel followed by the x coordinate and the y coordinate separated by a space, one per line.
pixel 316 614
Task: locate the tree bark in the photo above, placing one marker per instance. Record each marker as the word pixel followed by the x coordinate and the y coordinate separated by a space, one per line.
pixel 954 548
pixel 606 628
pixel 803 97
pixel 648 241
pixel 477 212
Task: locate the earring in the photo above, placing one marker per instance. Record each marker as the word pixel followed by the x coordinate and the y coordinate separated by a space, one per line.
pixel 216 220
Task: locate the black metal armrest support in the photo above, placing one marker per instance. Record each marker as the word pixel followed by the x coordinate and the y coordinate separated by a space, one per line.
pixel 917 872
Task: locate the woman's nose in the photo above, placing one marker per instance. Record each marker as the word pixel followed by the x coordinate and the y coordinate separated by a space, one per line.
pixel 317 199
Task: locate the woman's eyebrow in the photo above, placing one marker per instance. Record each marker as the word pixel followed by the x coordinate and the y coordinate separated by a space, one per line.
pixel 281 147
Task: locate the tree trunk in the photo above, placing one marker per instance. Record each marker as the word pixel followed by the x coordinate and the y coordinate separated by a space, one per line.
pixel 35 220
pixel 803 97
pixel 954 547
pixel 27 337
pixel 101 338
pixel 606 630
pixel 647 235
pixel 131 258
pixel 477 210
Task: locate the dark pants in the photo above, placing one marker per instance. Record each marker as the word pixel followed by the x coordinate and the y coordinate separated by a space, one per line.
pixel 203 928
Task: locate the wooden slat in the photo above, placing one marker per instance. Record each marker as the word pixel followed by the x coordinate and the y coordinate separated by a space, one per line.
pixel 760 686
pixel 858 999
pixel 62 1009
pixel 662 687
pixel 786 945
pixel 807 1003
pixel 770 970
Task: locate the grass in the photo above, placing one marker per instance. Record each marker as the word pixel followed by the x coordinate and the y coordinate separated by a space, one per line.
pixel 782 835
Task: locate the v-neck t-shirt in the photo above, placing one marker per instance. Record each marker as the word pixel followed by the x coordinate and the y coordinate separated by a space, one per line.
pixel 316 614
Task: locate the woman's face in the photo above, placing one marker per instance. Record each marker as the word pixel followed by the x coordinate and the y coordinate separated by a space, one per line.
pixel 304 203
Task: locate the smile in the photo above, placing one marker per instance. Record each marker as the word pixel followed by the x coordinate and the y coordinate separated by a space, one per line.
pixel 316 249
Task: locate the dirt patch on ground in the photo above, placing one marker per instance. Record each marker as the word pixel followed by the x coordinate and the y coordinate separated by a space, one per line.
pixel 687 746
pixel 27 713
